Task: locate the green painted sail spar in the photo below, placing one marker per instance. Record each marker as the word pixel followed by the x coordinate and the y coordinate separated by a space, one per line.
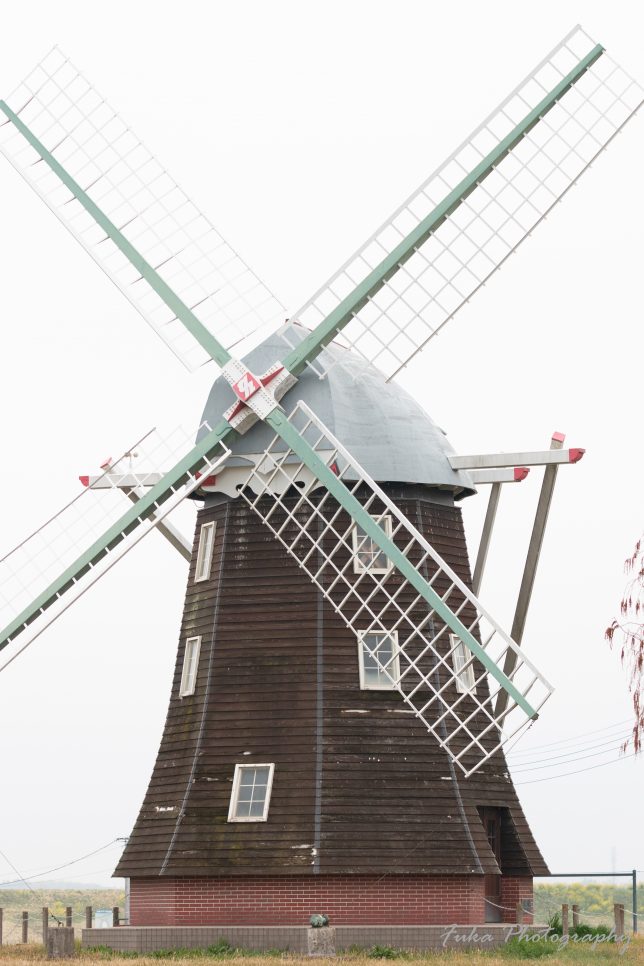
pixel 185 315
pixel 295 362
pixel 333 324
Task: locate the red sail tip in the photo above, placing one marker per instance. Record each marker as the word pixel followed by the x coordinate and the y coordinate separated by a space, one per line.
pixel 576 455
pixel 520 473
pixel 84 480
pixel 558 437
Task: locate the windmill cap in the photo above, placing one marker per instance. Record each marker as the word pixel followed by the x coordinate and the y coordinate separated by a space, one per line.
pixel 383 427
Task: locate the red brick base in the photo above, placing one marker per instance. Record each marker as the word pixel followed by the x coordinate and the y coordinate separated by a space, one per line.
pixel 290 900
pixel 514 890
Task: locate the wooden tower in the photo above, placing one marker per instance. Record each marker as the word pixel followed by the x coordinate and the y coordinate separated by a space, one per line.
pixel 360 814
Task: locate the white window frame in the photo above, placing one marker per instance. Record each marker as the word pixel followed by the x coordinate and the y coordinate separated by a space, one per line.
pixel 464 676
pixel 189 670
pixel 234 795
pixel 384 521
pixel 394 666
pixel 204 552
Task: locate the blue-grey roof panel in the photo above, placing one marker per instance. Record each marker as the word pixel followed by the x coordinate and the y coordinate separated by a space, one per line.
pixel 381 425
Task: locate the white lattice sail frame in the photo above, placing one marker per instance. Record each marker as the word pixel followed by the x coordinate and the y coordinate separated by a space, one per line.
pixel 485 228
pixel 101 153
pixel 37 561
pixel 314 529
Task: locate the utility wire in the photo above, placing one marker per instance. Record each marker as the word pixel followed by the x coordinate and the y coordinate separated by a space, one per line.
pixel 575 751
pixel 38 875
pixel 26 882
pixel 565 774
pixel 549 762
pixel 563 741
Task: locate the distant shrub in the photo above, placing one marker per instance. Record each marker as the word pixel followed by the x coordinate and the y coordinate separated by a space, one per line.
pixel 385 952
pixel 532 949
pixel 584 930
pixel 555 924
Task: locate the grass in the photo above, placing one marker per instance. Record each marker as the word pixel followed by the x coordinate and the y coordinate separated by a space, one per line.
pixel 513 952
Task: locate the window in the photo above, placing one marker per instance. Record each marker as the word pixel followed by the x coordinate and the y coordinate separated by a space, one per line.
pixel 461 654
pixel 190 665
pixel 385 646
pixel 367 555
pixel 251 793
pixel 204 553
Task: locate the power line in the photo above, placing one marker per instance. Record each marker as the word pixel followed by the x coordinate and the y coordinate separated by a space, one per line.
pixel 576 750
pixel 20 878
pixel 528 766
pixel 562 741
pixel 65 865
pixel 550 778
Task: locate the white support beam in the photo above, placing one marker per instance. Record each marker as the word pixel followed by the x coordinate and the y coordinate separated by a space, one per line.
pixel 486 536
pixel 174 537
pixel 128 484
pixel 121 481
pixel 532 561
pixel 515 475
pixel 490 461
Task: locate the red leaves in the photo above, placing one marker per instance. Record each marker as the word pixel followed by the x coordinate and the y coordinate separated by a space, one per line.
pixel 631 629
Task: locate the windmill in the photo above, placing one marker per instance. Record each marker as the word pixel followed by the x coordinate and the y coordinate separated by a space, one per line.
pixel 329 606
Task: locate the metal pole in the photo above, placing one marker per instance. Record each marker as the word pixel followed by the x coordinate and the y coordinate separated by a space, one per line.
pixel 166 529
pixel 484 546
pixel 25 927
pixel 635 901
pixel 530 570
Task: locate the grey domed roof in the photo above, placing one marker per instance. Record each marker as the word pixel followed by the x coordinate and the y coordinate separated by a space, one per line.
pixel 386 430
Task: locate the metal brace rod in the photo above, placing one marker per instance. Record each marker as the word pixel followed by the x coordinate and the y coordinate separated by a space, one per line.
pixel 129 484
pixel 481 461
pixel 531 563
pixel 170 532
pixel 486 536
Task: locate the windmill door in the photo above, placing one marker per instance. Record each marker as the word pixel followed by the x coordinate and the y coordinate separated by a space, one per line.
pixel 491 818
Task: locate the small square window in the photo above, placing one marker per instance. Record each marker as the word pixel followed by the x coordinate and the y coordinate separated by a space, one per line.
pixel 367 555
pixel 204 553
pixel 251 793
pixel 464 671
pixel 190 666
pixel 385 646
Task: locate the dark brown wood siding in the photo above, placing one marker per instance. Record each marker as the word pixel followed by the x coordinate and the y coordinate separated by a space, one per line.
pixel 359 784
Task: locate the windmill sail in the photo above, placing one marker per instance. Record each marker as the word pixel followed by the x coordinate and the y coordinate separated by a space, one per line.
pixel 388 301
pixel 415 603
pixel 409 279
pixel 45 573
pixel 103 158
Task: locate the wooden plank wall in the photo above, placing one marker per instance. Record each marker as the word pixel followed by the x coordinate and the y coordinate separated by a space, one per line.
pixel 359 784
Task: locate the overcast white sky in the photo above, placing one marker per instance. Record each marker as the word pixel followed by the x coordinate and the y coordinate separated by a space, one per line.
pixel 298 127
